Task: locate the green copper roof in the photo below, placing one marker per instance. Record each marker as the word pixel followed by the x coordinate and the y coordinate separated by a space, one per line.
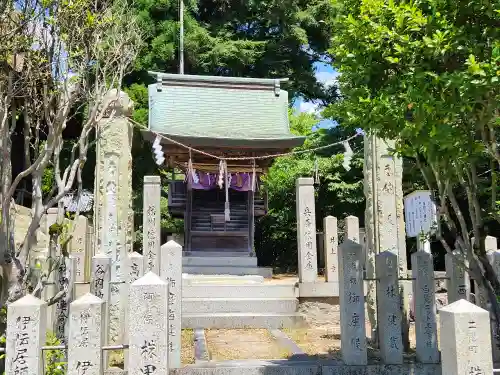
pixel 222 108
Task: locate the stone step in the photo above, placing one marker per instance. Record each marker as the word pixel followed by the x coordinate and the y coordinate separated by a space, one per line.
pixel 241 320
pixel 216 253
pixel 239 305
pixel 220 279
pixel 241 290
pixel 266 272
pixel 220 261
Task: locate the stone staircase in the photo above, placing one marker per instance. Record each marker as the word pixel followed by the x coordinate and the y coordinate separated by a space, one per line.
pixel 222 263
pixel 238 302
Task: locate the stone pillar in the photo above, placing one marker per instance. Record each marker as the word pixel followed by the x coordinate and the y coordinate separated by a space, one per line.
pixel 65 282
pixel 458 283
pixel 490 245
pixel 352 304
pixel 384 220
pixel 151 224
pixel 425 307
pixel 306 230
pixel 494 258
pixel 148 326
pixel 101 288
pixel 113 195
pixel 467 349
pixel 86 336
pixel 135 270
pixel 389 309
pixel 171 272
pixel 78 246
pixel 331 240
pixel 26 330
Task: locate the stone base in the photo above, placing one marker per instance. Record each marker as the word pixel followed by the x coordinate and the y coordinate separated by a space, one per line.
pixel 303 367
pixel 266 272
pixel 239 305
pixel 242 320
pixel 239 291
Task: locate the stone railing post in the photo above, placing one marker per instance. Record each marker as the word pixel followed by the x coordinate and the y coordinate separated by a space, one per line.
pixel 26 334
pixel 389 308
pixel 86 336
pixel 466 339
pixel 425 307
pixel 148 326
pixel 352 302
pixel 458 284
pixel 306 230
pixel 171 272
pixel 331 240
pixel 151 224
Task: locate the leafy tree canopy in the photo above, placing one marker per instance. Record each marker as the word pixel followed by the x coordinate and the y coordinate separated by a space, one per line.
pixel 277 38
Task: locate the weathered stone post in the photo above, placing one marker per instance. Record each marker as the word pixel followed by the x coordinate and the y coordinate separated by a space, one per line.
pixel 171 272
pixel 78 246
pixel 352 303
pixel 490 245
pixel 494 258
pixel 113 196
pixel 151 224
pixel 331 240
pixel 135 270
pixel 458 283
pixel 86 336
pixel 148 326
pixel 26 334
pixel 384 219
pixel 389 309
pixel 306 230
pixel 65 283
pixel 425 307
pixel 100 287
pixel 467 350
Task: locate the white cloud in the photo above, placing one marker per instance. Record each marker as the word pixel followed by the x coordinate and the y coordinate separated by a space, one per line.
pixel 327 78
pixel 310 107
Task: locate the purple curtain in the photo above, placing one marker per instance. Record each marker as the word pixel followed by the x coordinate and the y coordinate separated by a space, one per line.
pixel 208 181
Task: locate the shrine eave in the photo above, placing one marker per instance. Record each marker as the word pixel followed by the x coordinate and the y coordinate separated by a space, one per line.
pixel 278 143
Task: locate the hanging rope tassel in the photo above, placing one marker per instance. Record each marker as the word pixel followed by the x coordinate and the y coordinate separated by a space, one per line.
pixel 253 175
pixel 190 171
pixel 316 172
pixel 227 212
pixel 220 180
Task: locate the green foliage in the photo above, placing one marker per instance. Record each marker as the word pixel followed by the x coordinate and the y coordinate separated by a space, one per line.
pixel 54 359
pixel 339 193
pixel 426 73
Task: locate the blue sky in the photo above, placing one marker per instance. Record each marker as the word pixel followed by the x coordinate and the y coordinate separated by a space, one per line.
pixel 326 75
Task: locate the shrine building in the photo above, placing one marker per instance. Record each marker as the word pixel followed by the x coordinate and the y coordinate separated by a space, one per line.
pixel 227 117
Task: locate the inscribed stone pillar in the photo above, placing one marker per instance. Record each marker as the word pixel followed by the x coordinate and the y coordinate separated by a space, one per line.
pixel 148 326
pixel 134 271
pixel 331 240
pixel 113 195
pixel 490 244
pixel 306 230
pixel 171 272
pixel 26 334
pixel 389 309
pixel 384 219
pixel 458 284
pixel 425 307
pixel 86 336
pixel 151 224
pixel 101 277
pixel 65 278
pixel 78 246
pixel 352 304
pixel 494 258
pixel 467 349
